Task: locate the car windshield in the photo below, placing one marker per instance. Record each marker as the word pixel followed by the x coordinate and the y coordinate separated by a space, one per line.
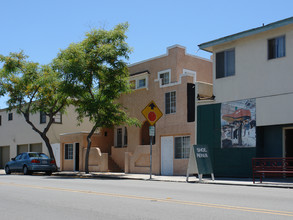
pixel 44 156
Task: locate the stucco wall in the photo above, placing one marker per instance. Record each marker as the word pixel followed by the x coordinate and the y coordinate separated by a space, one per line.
pixel 184 69
pixel 103 140
pixel 274 110
pixel 18 132
pixel 269 81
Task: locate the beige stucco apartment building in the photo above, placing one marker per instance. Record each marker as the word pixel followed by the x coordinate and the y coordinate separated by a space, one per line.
pixel 168 80
pixel 253 70
pixel 16 136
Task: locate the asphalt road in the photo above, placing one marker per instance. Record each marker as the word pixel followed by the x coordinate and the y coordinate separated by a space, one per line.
pixel 49 197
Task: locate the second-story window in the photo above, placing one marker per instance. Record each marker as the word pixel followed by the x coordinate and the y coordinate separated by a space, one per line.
pixel 225 63
pixel 141 83
pixel 132 84
pixel 170 102
pixel 165 77
pixel 42 118
pixel 276 47
pixel 0 120
pixel 10 116
pixel 58 118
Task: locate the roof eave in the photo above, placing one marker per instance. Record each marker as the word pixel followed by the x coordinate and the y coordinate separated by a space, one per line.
pixel 209 45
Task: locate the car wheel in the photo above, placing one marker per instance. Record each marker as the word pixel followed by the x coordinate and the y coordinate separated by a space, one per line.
pixel 26 171
pixel 7 170
pixel 49 173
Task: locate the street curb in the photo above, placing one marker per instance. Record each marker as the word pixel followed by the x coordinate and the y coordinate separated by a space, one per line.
pixel 123 176
pixel 235 183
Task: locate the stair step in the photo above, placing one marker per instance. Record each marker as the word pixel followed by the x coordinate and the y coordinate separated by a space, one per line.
pixel 112 166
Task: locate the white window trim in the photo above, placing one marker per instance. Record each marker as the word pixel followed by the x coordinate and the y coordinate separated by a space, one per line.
pixel 137 78
pixel 10 113
pixel 160 80
pixel 72 151
pixel 185 73
pixel 137 83
pixel 215 63
pixel 171 113
pixel 57 116
pixel 181 136
pixel 279 36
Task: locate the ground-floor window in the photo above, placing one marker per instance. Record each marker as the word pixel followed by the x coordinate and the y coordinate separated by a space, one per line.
pixel 68 151
pixel 182 147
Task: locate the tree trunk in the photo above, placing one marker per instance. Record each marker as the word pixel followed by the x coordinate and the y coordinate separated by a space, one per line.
pixel 42 134
pixel 89 143
pixel 47 142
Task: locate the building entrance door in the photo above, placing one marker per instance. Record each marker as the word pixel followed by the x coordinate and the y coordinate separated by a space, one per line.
pixel 289 143
pixel 167 154
pixel 76 162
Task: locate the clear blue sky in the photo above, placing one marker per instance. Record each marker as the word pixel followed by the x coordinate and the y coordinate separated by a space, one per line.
pixel 42 27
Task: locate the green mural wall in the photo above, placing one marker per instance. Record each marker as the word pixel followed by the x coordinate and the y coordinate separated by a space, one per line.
pixel 228 162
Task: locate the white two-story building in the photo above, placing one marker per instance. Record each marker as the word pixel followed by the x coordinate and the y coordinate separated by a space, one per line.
pixel 16 136
pixel 253 88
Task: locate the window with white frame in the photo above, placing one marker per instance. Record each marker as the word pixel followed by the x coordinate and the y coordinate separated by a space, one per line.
pixel 164 76
pixel 10 116
pixel 225 63
pixel 132 84
pixel 58 118
pixel 170 102
pixel 139 82
pixel 182 147
pixel 68 154
pixel 276 47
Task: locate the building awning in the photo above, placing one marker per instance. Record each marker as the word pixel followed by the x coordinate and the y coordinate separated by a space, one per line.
pixel 140 73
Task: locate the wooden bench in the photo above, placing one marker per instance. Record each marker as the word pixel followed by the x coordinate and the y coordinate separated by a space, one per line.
pixel 278 166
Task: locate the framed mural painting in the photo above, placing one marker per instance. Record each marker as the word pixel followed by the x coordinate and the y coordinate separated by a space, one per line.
pixel 238 124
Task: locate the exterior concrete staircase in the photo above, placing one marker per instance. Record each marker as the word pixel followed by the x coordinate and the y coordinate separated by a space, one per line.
pixel 112 166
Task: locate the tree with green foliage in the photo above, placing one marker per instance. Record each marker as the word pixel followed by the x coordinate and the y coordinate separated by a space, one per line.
pixel 32 88
pixel 96 74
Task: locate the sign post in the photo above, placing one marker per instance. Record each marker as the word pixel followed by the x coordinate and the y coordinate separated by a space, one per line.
pixel 152 134
pixel 152 113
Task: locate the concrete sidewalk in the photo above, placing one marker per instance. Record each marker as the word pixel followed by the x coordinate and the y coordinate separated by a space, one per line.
pixel 278 183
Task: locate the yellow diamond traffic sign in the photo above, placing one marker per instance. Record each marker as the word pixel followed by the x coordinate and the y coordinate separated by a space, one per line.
pixel 152 113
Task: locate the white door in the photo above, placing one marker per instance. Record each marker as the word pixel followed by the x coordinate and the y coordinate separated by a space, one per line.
pixel 167 156
pixel 56 150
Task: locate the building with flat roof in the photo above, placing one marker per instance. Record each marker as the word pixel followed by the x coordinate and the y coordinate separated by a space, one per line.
pixel 169 80
pixel 252 113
